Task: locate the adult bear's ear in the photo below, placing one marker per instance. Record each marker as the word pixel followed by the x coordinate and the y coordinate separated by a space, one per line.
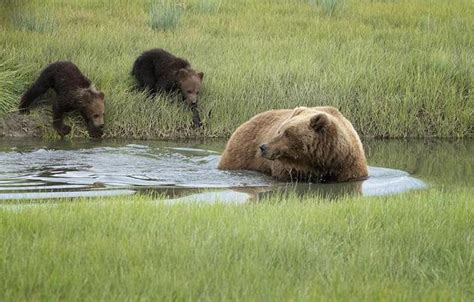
pixel 319 122
pixel 297 111
pixel 201 75
pixel 182 73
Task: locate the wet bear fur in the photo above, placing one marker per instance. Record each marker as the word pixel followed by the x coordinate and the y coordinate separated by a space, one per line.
pixel 304 144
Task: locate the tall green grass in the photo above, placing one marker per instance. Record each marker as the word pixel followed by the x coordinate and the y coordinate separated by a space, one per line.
pixel 165 15
pixel 394 68
pixel 35 22
pixel 208 6
pixel 329 7
pixel 410 247
pixel 9 88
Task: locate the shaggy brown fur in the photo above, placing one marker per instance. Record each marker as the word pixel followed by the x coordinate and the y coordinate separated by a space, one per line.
pixel 73 92
pixel 158 71
pixel 305 144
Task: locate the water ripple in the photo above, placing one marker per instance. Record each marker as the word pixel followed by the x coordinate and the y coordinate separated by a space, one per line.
pixel 177 171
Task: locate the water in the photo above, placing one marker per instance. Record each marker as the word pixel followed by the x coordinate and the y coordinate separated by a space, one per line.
pixel 34 169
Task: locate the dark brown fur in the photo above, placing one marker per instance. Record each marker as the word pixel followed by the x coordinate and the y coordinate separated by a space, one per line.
pixel 74 92
pixel 158 71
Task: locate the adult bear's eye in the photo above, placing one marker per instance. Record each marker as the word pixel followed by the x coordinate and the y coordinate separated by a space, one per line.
pixel 96 115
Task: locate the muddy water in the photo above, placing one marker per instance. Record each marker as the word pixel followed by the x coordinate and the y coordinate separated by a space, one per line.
pixel 32 169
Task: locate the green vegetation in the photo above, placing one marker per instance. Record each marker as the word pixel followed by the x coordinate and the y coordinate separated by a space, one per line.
pixel 329 7
pixel 394 68
pixel 164 15
pixel 9 88
pixel 36 22
pixel 415 246
pixel 208 6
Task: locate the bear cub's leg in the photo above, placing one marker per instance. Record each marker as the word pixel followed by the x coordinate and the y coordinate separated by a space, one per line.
pixel 74 92
pixel 58 122
pixel 39 87
pixel 157 70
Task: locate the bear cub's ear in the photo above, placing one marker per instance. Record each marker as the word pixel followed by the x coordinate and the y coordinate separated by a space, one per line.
pixel 88 95
pixel 201 75
pixel 85 94
pixel 319 122
pixel 182 73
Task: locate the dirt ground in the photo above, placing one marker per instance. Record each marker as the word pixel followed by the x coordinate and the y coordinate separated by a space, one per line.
pixel 21 125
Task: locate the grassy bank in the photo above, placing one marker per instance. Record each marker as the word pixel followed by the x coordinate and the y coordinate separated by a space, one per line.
pixel 415 246
pixel 395 68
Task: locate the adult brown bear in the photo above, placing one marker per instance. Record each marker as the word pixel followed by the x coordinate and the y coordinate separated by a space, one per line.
pixel 158 71
pixel 74 91
pixel 305 144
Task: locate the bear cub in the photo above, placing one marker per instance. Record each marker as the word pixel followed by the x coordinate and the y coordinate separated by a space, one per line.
pixel 158 71
pixel 74 91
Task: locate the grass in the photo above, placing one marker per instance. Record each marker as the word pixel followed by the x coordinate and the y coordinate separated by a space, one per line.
pixel 35 22
pixel 394 68
pixel 208 6
pixel 164 15
pixel 9 89
pixel 329 7
pixel 415 246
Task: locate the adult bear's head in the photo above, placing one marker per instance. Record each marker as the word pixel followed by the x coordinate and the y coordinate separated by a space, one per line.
pixel 313 136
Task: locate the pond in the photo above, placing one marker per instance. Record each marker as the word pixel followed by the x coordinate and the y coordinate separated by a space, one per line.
pixel 35 169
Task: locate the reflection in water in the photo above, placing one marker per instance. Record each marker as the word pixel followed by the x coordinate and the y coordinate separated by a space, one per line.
pixel 381 181
pixel 177 170
pixel 440 162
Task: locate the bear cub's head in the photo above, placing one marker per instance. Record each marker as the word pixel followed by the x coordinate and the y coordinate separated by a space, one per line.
pixel 308 134
pixel 190 83
pixel 93 110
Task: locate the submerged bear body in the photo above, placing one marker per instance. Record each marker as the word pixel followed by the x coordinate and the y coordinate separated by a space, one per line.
pixel 305 144
pixel 74 92
pixel 158 71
